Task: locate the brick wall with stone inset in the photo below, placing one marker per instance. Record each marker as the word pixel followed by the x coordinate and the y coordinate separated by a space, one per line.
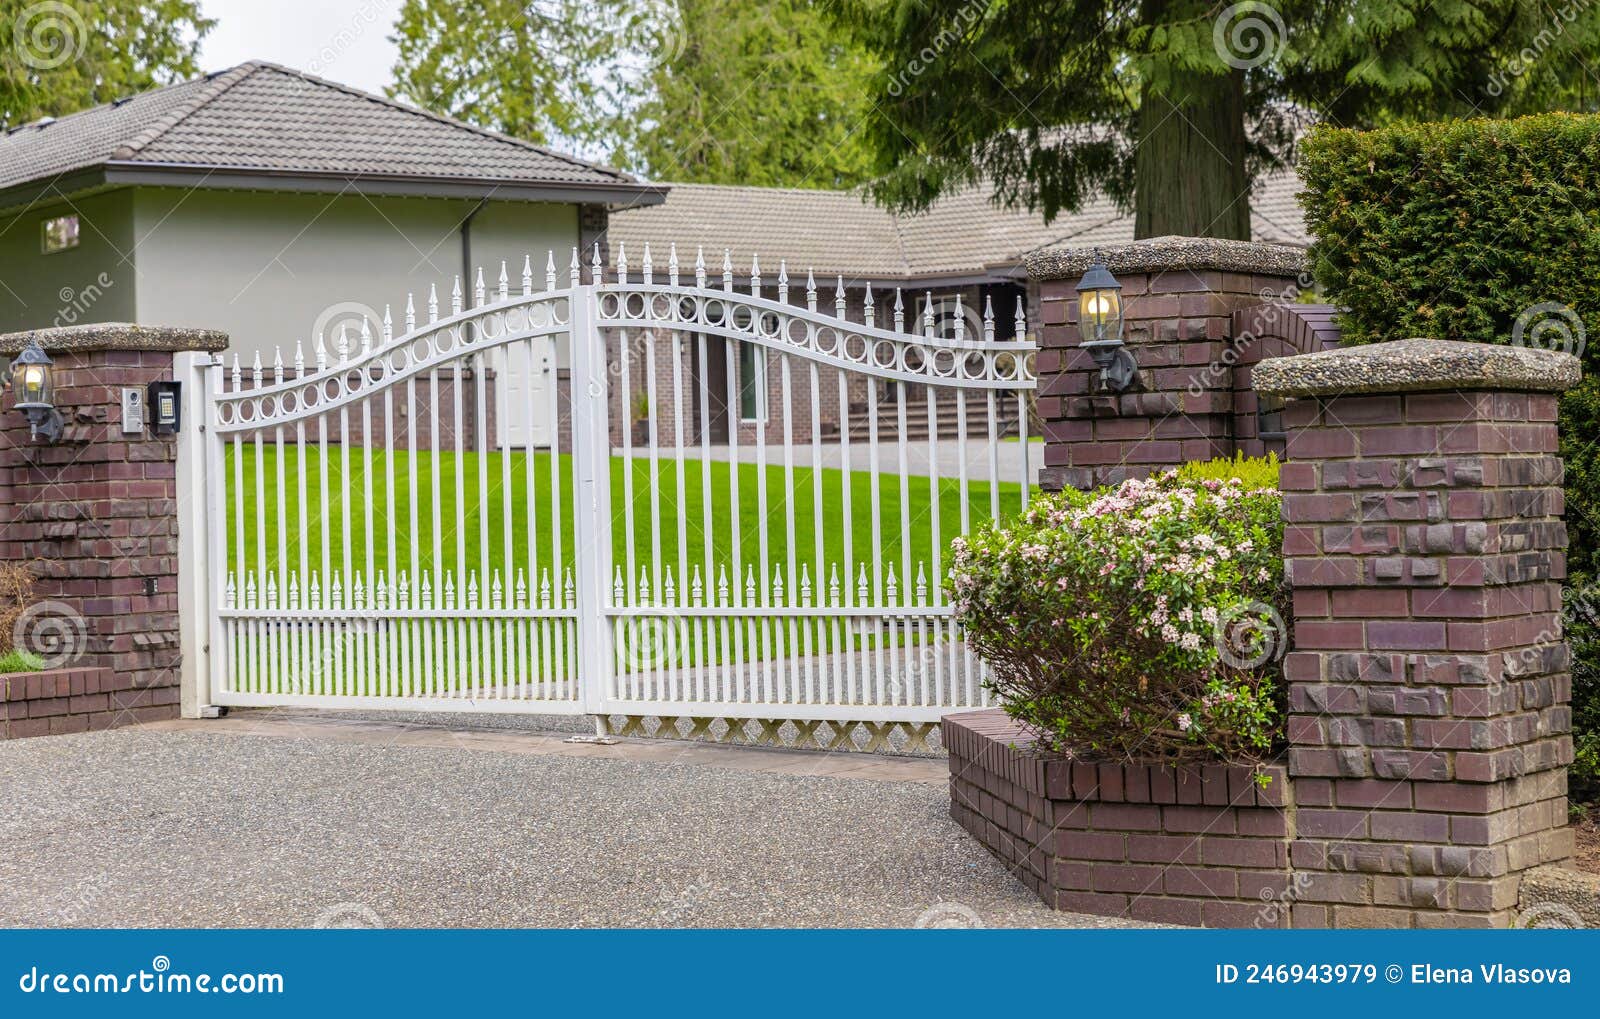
pixel 1428 684
pixel 98 512
pixel 1428 681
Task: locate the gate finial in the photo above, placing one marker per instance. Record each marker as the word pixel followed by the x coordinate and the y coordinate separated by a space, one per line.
pixel 672 263
pixel 783 281
pixel 622 262
pixel 700 267
pixel 867 309
pixel 597 273
pixel 727 270
pixel 455 296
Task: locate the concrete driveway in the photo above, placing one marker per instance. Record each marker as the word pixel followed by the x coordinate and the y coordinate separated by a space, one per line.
pixel 268 819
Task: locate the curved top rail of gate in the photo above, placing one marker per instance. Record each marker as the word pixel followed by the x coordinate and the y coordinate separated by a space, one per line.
pixel 983 362
pixel 353 374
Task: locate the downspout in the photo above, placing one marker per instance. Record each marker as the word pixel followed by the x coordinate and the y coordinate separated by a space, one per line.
pixel 466 246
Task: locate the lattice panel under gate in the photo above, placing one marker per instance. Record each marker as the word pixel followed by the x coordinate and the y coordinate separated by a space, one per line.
pixel 790 734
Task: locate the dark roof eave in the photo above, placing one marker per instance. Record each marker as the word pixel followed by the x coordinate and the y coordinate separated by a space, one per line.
pixel 19 198
pixel 621 194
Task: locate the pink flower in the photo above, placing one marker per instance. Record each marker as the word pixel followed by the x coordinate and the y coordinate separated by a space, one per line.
pixel 1185 722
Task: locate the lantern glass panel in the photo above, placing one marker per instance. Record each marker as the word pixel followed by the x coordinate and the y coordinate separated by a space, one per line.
pixel 1100 314
pixel 32 382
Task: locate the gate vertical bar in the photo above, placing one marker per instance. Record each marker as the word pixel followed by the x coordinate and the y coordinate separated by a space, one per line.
pixel 591 454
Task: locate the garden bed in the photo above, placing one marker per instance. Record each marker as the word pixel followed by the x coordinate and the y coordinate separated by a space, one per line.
pixel 1187 844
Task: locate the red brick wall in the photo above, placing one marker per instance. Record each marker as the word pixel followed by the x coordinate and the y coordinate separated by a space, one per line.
pixel 72 700
pixel 1272 330
pixel 98 511
pixel 1203 846
pixel 1181 328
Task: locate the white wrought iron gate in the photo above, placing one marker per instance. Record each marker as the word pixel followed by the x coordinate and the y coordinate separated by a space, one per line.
pixel 744 511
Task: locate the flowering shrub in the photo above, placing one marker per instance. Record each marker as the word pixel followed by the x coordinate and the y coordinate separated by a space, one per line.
pixel 1140 622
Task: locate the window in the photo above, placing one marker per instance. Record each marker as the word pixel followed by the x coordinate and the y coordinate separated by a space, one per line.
pixel 59 234
pixel 752 382
pixel 951 319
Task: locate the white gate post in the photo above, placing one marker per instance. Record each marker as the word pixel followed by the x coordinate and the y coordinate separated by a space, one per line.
pixel 591 457
pixel 196 556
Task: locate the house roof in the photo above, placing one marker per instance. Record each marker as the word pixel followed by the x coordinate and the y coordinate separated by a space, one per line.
pixel 840 232
pixel 265 126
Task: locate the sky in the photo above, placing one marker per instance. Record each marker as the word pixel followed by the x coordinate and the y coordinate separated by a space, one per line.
pixel 342 40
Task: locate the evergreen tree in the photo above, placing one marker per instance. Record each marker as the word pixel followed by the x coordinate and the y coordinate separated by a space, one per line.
pixel 58 56
pixel 559 72
pixel 768 94
pixel 1172 107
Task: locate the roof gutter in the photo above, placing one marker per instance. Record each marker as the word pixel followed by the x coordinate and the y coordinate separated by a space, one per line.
pixel 619 195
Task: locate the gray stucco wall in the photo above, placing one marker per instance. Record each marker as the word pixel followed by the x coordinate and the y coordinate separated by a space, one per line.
pixel 266 267
pixel 93 282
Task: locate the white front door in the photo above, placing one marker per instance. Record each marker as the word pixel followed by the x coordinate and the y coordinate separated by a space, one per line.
pixel 524 390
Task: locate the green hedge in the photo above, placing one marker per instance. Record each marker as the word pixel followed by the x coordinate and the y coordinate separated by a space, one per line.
pixel 1483 230
pixel 1453 229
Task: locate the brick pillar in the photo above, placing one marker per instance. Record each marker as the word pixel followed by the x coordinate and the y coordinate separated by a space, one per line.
pixel 1428 684
pixel 97 511
pixel 1179 298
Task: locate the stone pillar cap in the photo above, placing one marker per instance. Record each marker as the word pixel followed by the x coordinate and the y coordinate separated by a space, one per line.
pixel 1417 365
pixel 1172 254
pixel 115 336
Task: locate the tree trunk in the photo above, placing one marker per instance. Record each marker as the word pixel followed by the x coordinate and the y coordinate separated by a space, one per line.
pixel 1190 168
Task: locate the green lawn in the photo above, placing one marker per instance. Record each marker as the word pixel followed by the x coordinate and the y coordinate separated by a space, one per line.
pixel 459 521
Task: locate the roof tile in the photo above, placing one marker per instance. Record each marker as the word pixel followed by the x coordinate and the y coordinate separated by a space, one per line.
pixel 259 116
pixel 839 232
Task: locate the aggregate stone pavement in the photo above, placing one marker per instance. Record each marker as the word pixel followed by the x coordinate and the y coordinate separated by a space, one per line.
pixel 179 826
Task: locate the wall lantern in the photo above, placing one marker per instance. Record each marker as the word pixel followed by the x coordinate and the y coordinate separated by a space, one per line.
pixel 1100 325
pixel 33 381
